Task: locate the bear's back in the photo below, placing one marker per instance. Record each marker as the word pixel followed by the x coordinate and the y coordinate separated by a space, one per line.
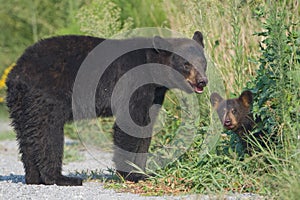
pixel 53 61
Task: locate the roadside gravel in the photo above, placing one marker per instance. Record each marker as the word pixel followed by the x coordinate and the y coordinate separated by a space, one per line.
pixel 12 181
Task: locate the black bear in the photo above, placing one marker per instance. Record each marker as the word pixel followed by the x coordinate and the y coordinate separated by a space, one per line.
pixel 235 114
pixel 40 87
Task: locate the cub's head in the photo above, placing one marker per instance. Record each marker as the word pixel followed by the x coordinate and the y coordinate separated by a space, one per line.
pixel 232 112
pixel 185 56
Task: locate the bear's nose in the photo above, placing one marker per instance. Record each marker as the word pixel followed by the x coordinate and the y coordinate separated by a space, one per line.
pixel 227 122
pixel 203 81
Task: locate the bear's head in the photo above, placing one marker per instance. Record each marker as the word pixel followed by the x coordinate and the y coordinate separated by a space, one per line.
pixel 233 113
pixel 185 56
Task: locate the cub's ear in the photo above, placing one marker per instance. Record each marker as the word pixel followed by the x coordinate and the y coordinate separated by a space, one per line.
pixel 198 37
pixel 246 98
pixel 215 99
pixel 160 44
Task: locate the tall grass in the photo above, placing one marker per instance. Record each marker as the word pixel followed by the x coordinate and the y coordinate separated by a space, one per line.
pixel 228 28
pixel 249 44
pixel 271 74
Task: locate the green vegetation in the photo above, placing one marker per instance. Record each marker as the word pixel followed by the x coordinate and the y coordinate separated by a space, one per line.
pixel 250 44
pixel 95 132
pixel 7 135
pixel 72 153
pixel 25 22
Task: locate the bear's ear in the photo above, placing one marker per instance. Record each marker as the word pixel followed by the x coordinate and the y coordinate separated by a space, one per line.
pixel 198 37
pixel 215 99
pixel 246 98
pixel 160 43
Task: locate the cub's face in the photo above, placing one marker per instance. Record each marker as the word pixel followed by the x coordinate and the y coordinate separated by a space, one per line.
pixel 232 112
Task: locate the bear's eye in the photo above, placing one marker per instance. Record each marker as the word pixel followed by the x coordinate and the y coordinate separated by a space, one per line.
pixel 233 111
pixel 186 64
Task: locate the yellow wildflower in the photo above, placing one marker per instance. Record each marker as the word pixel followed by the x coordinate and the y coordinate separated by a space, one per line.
pixel 4 76
pixel 3 80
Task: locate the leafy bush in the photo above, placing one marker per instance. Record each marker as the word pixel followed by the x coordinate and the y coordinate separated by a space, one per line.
pixel 277 93
pixel 275 86
pixel 102 18
pixel 146 13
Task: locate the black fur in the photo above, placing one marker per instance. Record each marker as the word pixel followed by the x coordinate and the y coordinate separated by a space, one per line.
pixel 39 98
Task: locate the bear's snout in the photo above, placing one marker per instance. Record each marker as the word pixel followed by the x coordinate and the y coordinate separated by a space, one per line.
pixel 227 122
pixel 197 81
pixel 202 82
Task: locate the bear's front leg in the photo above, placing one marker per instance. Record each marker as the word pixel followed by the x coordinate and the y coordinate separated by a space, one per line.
pixel 130 150
pixel 133 131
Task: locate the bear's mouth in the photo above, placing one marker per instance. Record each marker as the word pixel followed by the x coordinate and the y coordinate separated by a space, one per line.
pixel 229 127
pixel 197 88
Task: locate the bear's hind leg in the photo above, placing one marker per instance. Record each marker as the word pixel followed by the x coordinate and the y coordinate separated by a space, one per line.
pixel 25 126
pixel 32 174
pixel 27 137
pixel 38 121
pixel 41 142
pixel 51 155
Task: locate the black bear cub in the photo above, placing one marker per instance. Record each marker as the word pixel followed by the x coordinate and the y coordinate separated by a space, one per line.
pixel 235 114
pixel 40 88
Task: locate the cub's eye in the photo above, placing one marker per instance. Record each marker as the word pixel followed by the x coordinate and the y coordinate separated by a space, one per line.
pixel 233 111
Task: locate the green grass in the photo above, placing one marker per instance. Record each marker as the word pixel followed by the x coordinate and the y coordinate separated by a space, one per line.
pixel 7 135
pixel 3 113
pixel 249 44
pixel 72 153
pixel 96 132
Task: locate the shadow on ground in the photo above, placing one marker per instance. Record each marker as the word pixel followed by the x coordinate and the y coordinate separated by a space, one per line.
pixel 12 178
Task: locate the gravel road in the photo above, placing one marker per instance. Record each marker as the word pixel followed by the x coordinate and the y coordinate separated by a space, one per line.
pixel 12 181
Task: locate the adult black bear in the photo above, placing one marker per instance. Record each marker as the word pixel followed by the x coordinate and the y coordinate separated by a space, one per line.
pixel 39 97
